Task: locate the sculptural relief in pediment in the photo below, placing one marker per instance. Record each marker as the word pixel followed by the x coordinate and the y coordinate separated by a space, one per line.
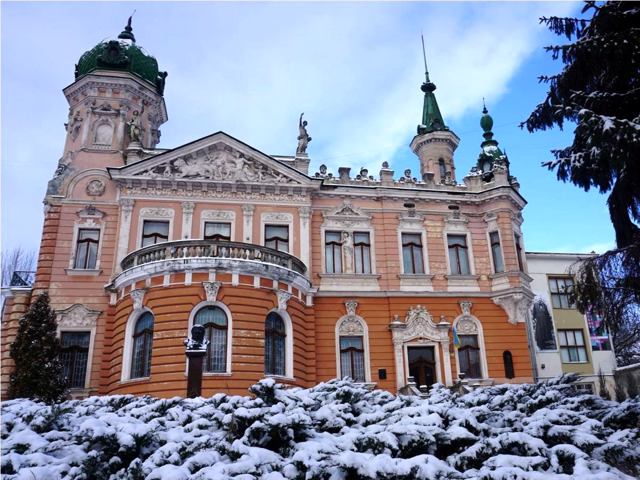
pixel 216 164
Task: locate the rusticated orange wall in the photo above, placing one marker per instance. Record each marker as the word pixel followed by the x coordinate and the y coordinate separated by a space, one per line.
pixel 499 334
pixel 172 306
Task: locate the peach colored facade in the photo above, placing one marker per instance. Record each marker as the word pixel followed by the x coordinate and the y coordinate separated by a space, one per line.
pixel 111 181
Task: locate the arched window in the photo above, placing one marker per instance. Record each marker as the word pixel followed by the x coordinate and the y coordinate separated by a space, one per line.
pixel 215 324
pixel 142 346
pixel 352 358
pixel 443 169
pixel 507 358
pixel 471 354
pixel 274 345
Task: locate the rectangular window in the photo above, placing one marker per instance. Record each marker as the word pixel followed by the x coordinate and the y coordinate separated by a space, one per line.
pixel 333 252
pixel 458 254
pixel 154 231
pixel 496 252
pixel 74 356
pixel 277 237
pixel 561 289
pixel 352 358
pixel 362 252
pixel 412 253
pixel 217 231
pixel 572 346
pixel 519 252
pixel 584 387
pixel 87 248
pixel 469 356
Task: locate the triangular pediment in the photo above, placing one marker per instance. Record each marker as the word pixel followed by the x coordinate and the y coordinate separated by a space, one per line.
pixel 216 158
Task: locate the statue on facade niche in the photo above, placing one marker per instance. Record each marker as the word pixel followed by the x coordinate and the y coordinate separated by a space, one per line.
pixel 134 127
pixel 303 137
pixel 347 247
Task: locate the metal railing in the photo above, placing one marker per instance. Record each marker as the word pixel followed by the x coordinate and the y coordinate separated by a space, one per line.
pixel 182 249
pixel 22 278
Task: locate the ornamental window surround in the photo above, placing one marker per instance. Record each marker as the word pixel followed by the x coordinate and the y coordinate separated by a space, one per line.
pixel 87 242
pixel 352 346
pixel 218 222
pixel 471 355
pixel 208 311
pixel 277 231
pixel 217 231
pixel 155 225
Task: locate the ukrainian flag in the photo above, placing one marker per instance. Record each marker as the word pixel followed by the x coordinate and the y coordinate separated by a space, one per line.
pixel 456 338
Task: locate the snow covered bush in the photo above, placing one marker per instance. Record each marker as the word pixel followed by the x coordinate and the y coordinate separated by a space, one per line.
pixel 336 430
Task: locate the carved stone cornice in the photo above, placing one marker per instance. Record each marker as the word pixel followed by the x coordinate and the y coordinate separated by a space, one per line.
pixel 516 305
pixel 418 324
pixel 137 297
pixel 157 212
pixel 211 290
pixel 77 316
pixel 218 214
pixel 283 299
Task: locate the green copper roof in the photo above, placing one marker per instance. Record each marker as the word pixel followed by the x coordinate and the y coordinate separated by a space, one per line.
pixel 431 117
pixel 122 55
pixel 490 152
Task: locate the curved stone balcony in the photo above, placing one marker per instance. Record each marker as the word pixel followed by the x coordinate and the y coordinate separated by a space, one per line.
pixel 203 255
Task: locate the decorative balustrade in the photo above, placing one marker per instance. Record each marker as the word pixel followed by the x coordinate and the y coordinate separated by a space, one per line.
pixel 22 278
pixel 183 249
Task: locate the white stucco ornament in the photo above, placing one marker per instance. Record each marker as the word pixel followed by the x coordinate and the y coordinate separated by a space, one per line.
pixel 137 297
pixel 283 299
pixel 516 305
pixel 96 188
pixel 77 316
pixel 211 289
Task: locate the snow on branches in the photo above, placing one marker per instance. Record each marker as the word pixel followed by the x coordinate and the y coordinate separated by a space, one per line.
pixel 336 430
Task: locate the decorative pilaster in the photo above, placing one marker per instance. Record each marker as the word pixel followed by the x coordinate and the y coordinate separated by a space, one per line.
pixel 305 216
pixel 187 219
pixel 247 223
pixel 126 208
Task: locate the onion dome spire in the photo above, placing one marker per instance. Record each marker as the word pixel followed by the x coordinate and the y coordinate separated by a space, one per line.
pixel 431 117
pixel 127 33
pixel 490 153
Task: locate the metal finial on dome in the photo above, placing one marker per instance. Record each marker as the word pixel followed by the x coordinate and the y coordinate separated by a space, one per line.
pixel 486 122
pixel 484 107
pixel 127 33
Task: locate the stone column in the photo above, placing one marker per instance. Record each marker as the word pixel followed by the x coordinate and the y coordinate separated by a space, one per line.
pixel 397 354
pixel 126 208
pixel 247 224
pixel 187 219
pixel 305 216
pixel 448 381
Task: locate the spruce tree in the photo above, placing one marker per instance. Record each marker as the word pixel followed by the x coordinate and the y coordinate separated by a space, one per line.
pixel 599 90
pixel 36 352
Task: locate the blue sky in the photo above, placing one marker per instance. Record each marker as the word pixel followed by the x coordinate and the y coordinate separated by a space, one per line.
pixel 355 69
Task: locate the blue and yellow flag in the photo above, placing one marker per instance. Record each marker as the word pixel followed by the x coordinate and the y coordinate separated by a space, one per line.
pixel 456 338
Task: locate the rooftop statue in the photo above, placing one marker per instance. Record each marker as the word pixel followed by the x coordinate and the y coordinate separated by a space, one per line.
pixel 303 137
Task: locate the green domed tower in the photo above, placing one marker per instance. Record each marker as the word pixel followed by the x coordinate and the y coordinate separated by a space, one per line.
pixel 116 108
pixel 122 55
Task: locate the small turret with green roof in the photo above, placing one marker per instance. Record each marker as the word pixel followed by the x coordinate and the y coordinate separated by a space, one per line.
pixel 490 154
pixel 122 55
pixel 431 117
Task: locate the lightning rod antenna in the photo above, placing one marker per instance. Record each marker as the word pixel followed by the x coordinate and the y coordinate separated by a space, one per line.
pixel 424 56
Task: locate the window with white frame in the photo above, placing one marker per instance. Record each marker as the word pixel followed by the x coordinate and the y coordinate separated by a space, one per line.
pixel 496 252
pixel 352 363
pixel 458 254
pixel 572 346
pixel 217 231
pixel 277 237
pixel 333 252
pixel 584 388
pixel 412 258
pixel 154 231
pixel 362 252
pixel 74 356
pixel 275 345
pixel 86 256
pixel 142 343
pixel 214 320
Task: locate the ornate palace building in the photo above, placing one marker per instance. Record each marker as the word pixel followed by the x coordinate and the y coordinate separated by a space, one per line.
pixel 301 276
